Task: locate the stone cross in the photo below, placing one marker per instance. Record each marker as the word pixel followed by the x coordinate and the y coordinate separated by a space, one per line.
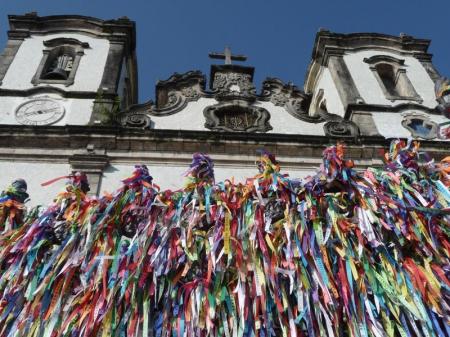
pixel 227 56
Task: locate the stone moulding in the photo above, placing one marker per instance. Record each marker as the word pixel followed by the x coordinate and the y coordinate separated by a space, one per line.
pixel 328 43
pixel 122 28
pixel 68 41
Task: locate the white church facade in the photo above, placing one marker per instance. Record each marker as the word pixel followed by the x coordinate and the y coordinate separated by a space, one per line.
pixel 68 101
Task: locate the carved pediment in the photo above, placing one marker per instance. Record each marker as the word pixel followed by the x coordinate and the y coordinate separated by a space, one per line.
pixel 295 101
pixel 179 87
pixel 231 82
pixel 232 87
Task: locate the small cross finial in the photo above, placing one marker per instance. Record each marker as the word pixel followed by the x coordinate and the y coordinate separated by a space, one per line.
pixel 227 56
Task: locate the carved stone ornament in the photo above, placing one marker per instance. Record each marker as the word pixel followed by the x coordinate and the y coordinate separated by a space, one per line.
pixel 231 85
pixel 275 91
pixel 172 96
pixel 279 99
pixel 237 116
pixel 341 128
pixel 295 101
pixel 420 126
pixel 298 108
pixel 136 120
pixel 190 93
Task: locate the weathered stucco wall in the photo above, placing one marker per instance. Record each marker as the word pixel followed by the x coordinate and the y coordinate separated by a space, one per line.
pixel 171 176
pixel 330 94
pixel 370 89
pixel 87 78
pixel 77 111
pixel 28 57
pixel 35 174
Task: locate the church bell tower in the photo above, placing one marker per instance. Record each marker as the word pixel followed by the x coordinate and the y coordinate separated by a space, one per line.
pixel 66 70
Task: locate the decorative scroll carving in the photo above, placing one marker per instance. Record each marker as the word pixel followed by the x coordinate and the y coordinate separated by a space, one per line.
pixel 279 99
pixel 173 94
pixel 298 109
pixel 342 128
pixel 190 93
pixel 237 116
pixel 295 101
pixel 275 91
pixel 136 120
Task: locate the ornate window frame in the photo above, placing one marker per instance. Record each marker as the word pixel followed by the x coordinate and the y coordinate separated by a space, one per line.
pixel 54 47
pixel 399 70
pixel 259 115
pixel 433 127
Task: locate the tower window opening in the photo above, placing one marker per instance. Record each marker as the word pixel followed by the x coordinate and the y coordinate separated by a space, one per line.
pixel 388 77
pixel 60 61
pixel 391 74
pixel 59 65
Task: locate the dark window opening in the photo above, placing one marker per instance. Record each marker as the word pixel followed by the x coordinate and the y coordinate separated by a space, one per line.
pixel 388 77
pixel 391 74
pixel 59 64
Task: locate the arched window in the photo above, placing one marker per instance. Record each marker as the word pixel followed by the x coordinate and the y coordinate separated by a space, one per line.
pixel 60 61
pixel 391 75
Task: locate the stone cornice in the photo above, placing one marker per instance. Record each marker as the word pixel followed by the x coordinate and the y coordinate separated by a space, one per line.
pixel 328 44
pixel 61 41
pixel 75 136
pixel 53 90
pixel 387 108
pixel 131 146
pixel 121 29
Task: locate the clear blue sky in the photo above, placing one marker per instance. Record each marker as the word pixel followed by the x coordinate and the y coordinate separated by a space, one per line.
pixel 276 35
